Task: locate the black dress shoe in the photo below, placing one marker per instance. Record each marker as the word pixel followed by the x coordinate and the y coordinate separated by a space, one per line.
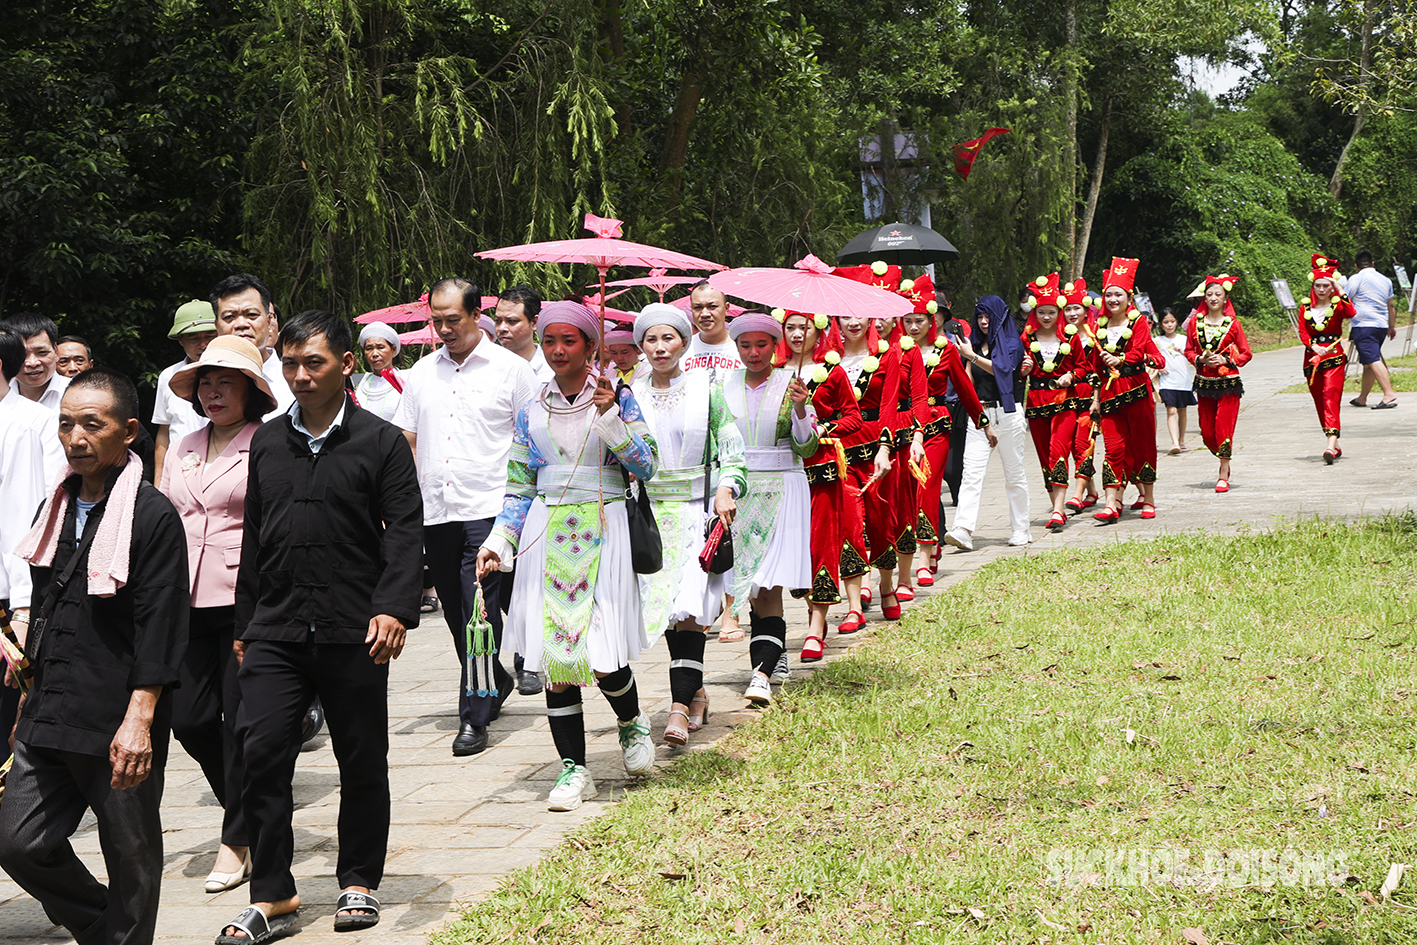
pixel 528 684
pixel 471 740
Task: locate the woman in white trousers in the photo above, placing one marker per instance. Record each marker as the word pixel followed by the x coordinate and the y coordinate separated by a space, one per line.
pixel 994 348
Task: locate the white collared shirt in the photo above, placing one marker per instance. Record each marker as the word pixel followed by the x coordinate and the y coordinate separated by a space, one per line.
pixel 315 442
pixel 279 388
pixel 179 414
pixel 53 392
pixel 463 416
pixel 539 368
pixel 29 464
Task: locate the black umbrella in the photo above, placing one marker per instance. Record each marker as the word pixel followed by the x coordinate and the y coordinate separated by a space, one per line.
pixel 902 244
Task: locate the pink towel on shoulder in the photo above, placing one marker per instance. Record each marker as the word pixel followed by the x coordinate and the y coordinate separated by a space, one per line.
pixel 108 553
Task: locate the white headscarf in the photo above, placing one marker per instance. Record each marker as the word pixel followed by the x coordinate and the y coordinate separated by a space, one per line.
pixel 379 330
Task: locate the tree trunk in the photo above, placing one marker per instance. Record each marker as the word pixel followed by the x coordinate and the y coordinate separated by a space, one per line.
pixel 612 52
pixel 1093 189
pixel 1365 63
pixel 676 144
pixel 1070 94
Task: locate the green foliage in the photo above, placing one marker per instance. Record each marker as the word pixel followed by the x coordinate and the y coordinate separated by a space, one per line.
pixel 1248 208
pixel 1380 188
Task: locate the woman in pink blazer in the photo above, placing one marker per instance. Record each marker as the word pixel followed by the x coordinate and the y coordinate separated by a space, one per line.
pixel 205 477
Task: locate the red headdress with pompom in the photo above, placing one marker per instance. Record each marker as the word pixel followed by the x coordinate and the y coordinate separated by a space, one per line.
pixel 1122 273
pixel 1226 282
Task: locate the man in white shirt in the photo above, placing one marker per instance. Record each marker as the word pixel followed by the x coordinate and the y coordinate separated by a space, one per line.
pixel 515 319
pixel 458 411
pixel 25 429
pixel 711 347
pixel 38 379
pixel 243 306
pixel 193 327
pixel 1375 321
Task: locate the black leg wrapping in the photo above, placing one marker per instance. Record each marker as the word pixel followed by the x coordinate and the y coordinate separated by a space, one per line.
pixel 768 643
pixel 567 719
pixel 620 691
pixel 686 664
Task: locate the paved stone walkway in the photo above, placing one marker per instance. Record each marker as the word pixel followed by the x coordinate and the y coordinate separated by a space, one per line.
pixel 460 825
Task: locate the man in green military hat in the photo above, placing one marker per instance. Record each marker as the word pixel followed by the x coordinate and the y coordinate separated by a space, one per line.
pixel 193 327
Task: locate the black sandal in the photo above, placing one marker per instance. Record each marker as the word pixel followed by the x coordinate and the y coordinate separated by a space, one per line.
pixel 366 919
pixel 428 605
pixel 257 927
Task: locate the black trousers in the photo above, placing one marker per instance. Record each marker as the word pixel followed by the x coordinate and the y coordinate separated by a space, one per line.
pixel 452 557
pixel 278 680
pixel 9 704
pixel 204 713
pixel 954 464
pixel 46 795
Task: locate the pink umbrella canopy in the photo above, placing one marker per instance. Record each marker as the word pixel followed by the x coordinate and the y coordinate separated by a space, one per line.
pixel 411 311
pixel 810 287
pixel 421 336
pixel 658 281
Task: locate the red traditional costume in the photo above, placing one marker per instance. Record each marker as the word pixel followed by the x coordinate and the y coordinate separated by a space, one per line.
pixel 943 366
pixel 1084 380
pixel 836 515
pixel 1218 388
pixel 1321 331
pixel 1051 418
pixel 1127 404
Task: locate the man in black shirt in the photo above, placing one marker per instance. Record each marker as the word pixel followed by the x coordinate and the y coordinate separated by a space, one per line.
pixel 106 647
pixel 330 579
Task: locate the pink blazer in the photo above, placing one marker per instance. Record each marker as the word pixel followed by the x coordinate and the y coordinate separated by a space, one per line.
pixel 211 498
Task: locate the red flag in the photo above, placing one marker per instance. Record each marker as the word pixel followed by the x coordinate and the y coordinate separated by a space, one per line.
pixel 966 153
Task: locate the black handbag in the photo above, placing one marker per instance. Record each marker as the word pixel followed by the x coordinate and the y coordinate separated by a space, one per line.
pixel 646 545
pixel 717 556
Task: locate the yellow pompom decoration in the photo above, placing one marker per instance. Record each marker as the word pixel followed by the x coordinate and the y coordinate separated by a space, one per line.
pixel 1102 322
pixel 1311 277
pixel 1041 281
pixel 1321 261
pixel 907 284
pixel 856 392
pixel 821 321
pixel 819 374
pixel 940 342
pixel 932 359
pixel 870 363
pixel 1126 332
pixel 1035 347
pixel 1048 366
pixel 879 267
pixel 932 306
pixel 1227 285
pixel 1062 301
pixel 833 358
pixel 1070 330
pixel 779 313
pixel 907 343
pixel 1068 287
pixel 882 347
pixel 1065 348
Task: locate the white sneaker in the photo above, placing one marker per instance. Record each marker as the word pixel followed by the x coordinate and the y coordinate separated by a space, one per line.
pixel 782 673
pixel 759 692
pixel 573 787
pixel 959 538
pixel 637 746
pixel 1020 539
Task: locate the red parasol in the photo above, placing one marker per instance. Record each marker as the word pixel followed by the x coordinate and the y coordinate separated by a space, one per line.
pixel 810 287
pixel 602 251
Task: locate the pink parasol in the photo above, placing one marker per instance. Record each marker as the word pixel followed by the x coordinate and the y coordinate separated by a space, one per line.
pixel 420 336
pixel 411 311
pixel 658 281
pixel 810 287
pixel 602 251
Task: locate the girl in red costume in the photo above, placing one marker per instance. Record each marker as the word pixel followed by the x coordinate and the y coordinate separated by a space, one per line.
pixel 942 366
pixel 1321 330
pixel 836 516
pixel 873 368
pixel 912 413
pixel 1080 315
pixel 1216 345
pixel 1051 362
pixel 1123 396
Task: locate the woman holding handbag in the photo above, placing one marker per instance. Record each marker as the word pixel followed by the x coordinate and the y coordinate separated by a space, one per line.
pixel 564 516
pixel 693 432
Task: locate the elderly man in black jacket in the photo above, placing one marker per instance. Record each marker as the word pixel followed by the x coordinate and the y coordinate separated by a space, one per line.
pixel 106 646
pixel 330 578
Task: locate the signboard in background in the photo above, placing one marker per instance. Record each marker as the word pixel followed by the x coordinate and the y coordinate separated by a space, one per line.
pixel 1143 303
pixel 1282 293
pixel 1402 279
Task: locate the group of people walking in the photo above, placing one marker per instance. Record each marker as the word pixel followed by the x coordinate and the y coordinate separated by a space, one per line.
pixel 565 512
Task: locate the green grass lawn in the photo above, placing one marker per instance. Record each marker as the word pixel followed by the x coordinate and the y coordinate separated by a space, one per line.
pixel 1025 757
pixel 1403 379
